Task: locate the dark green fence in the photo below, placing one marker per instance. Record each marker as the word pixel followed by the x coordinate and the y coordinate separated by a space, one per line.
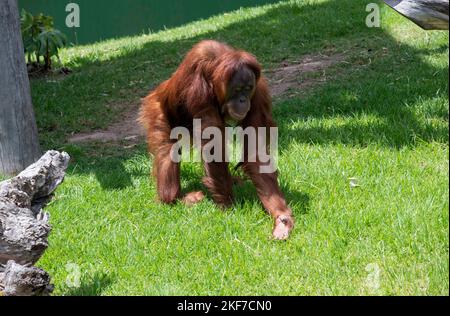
pixel 103 19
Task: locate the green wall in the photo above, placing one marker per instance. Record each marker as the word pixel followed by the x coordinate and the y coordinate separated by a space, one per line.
pixel 103 19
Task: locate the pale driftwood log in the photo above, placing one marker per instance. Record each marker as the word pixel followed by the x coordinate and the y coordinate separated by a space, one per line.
pixel 18 280
pixel 24 226
pixel 428 14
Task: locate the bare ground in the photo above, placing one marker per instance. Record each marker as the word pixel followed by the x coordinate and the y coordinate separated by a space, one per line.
pixel 288 78
pixel 309 71
pixel 126 129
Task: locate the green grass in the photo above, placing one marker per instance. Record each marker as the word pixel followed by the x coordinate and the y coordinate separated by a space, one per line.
pixel 381 117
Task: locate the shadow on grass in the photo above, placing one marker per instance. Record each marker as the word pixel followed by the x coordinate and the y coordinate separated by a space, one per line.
pixel 105 161
pixel 388 87
pixel 246 193
pixel 92 286
pixel 111 174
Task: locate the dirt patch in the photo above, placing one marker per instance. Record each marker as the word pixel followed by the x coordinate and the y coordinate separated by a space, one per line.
pixel 127 129
pixel 297 76
pixel 36 70
pixel 309 71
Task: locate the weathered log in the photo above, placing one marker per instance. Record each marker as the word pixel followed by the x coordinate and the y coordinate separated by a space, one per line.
pixel 24 226
pixel 428 14
pixel 18 280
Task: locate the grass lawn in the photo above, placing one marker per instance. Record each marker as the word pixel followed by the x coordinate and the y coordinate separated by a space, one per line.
pixel 381 117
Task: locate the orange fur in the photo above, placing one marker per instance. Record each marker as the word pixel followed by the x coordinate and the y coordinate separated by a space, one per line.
pixel 197 89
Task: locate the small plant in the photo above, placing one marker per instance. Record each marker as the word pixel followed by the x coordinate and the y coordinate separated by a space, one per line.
pixel 41 41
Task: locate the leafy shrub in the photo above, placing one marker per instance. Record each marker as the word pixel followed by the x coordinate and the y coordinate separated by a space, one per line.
pixel 41 41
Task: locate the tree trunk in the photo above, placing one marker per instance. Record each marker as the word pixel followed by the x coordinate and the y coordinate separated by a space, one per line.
pixel 19 146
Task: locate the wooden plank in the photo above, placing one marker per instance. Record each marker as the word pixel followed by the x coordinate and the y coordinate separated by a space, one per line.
pixel 428 14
